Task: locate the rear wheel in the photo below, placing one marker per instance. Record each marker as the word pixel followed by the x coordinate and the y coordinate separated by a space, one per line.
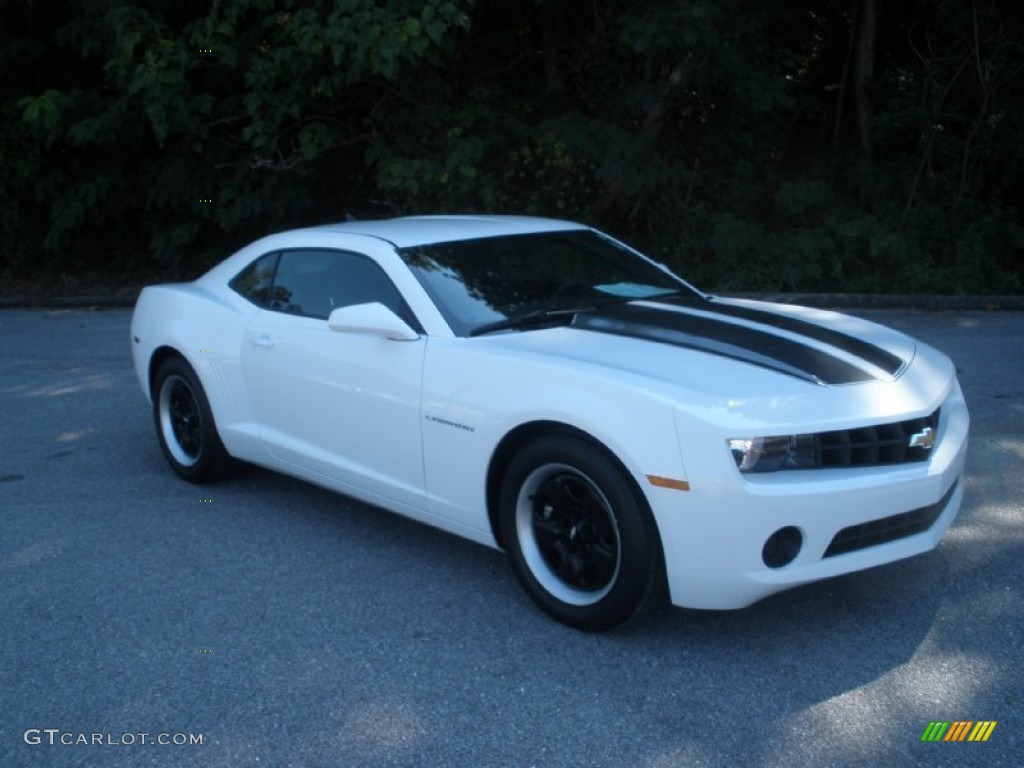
pixel 184 424
pixel 580 537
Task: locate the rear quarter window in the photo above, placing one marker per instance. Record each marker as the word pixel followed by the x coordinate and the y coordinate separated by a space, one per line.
pixel 253 282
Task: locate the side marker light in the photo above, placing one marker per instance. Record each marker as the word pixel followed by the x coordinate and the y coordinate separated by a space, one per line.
pixel 668 482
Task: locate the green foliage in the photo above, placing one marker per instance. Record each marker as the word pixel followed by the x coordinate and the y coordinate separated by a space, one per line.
pixel 246 105
pixel 21 226
pixel 42 110
pixel 720 135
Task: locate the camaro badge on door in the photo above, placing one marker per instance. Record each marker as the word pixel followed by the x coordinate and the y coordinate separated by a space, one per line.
pixel 923 439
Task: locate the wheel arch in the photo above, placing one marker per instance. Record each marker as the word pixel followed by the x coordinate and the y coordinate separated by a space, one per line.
pixel 519 436
pixel 161 354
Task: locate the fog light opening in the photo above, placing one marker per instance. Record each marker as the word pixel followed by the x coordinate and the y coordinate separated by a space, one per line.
pixel 782 547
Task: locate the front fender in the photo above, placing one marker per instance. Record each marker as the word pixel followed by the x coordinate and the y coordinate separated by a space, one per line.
pixel 473 400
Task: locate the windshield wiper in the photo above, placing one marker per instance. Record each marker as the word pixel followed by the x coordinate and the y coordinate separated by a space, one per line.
pixel 529 320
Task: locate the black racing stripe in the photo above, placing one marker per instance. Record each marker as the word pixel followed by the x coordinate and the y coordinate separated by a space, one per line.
pixel 866 351
pixel 721 338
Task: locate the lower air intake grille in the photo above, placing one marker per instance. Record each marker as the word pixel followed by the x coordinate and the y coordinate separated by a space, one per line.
pixel 888 528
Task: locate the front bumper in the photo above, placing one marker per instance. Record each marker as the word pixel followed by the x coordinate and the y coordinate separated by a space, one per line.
pixel 715 535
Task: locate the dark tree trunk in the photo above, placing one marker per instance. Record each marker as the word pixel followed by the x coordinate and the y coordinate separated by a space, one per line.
pixel 650 129
pixel 554 78
pixel 863 80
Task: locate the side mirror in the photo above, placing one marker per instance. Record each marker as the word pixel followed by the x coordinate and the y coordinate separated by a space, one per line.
pixel 374 319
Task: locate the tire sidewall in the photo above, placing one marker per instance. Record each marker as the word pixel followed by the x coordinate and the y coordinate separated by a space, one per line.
pixel 639 546
pixel 211 454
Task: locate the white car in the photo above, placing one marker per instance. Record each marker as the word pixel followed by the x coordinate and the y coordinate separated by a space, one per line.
pixel 538 386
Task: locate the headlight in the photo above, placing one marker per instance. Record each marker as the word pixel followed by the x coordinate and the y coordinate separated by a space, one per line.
pixel 768 454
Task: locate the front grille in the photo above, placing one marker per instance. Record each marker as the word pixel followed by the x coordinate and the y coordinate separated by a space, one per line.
pixel 892 528
pixel 867 446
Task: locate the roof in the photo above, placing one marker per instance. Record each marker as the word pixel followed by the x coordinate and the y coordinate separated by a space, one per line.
pixel 421 230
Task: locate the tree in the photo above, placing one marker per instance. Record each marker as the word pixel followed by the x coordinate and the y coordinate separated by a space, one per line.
pixel 187 122
pixel 778 144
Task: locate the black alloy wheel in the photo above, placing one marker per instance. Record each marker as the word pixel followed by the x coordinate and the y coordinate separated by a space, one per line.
pixel 580 536
pixel 184 424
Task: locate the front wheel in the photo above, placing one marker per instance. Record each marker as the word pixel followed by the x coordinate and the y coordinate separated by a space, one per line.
pixel 184 424
pixel 580 537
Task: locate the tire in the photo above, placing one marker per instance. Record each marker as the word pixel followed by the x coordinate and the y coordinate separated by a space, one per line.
pixel 580 536
pixel 184 424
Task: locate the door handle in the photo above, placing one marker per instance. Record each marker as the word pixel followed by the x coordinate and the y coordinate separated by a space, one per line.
pixel 262 340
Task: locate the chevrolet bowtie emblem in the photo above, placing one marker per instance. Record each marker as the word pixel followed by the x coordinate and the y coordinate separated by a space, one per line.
pixel 924 439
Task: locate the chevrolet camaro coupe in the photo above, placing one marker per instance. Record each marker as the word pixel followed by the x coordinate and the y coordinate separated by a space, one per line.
pixel 537 386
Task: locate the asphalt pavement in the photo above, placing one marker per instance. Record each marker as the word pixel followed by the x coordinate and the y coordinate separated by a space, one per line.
pixel 264 622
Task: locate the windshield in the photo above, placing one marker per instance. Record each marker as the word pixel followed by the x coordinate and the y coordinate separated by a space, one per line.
pixel 484 281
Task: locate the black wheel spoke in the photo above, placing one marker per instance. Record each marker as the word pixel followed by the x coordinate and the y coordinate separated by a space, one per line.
pixel 604 561
pixel 604 551
pixel 573 531
pixel 564 493
pixel 572 571
pixel 185 422
pixel 549 530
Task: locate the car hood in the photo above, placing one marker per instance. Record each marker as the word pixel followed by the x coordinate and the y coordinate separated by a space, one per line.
pixel 742 356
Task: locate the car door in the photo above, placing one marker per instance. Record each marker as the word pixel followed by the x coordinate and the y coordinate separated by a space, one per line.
pixel 343 405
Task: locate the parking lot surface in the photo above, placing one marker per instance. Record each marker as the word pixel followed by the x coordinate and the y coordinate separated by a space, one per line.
pixel 264 622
